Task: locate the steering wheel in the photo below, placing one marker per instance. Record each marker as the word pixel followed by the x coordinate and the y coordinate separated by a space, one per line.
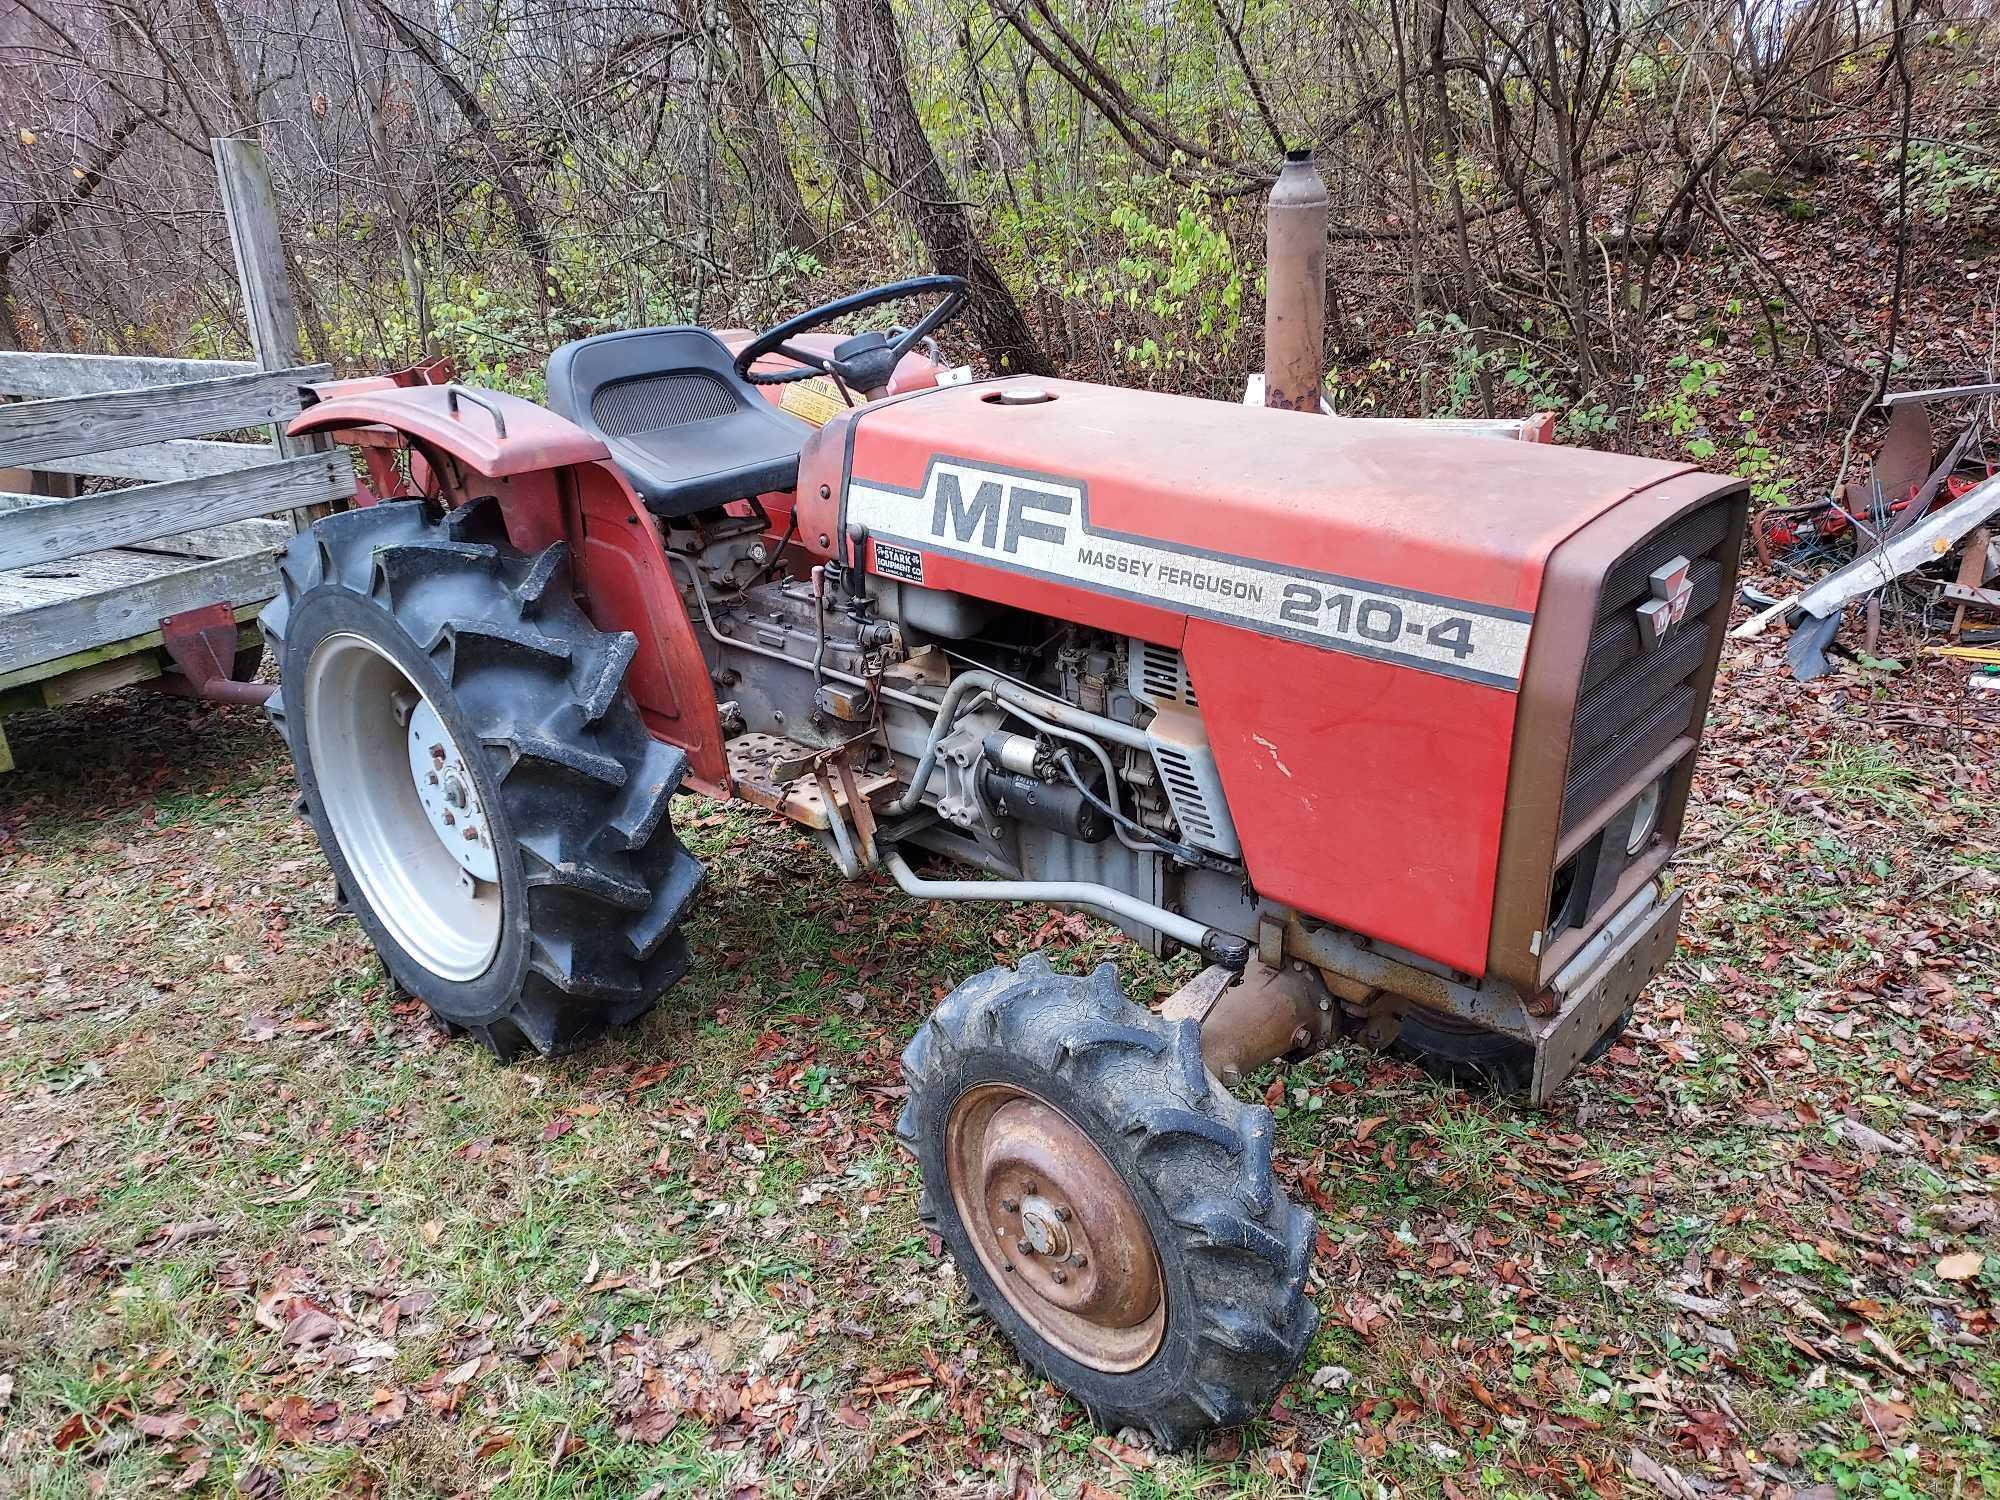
pixel 866 361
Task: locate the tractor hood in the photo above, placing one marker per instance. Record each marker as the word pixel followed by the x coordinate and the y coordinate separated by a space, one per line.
pixel 1417 510
pixel 1388 626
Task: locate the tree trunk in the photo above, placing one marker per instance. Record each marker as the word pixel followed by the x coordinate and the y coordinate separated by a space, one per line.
pixel 527 223
pixel 935 211
pixel 760 138
pixel 845 126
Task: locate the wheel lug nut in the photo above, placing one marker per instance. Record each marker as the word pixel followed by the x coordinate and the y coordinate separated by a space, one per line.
pixel 449 820
pixel 471 834
pixel 1058 1277
pixel 1062 1212
pixel 1008 1205
pixel 1078 1261
pixel 1027 1184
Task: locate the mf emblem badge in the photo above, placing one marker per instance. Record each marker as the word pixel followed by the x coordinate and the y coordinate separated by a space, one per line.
pixel 1669 604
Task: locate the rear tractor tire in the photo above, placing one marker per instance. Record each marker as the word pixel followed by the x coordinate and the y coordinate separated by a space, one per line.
pixel 1110 1205
pixel 494 810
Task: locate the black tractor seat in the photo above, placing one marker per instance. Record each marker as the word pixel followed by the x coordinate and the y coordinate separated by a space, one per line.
pixel 686 429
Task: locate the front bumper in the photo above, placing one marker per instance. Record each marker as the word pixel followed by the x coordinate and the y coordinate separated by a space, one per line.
pixel 1597 986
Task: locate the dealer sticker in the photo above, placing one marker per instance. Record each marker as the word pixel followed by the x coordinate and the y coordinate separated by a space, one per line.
pixel 899 562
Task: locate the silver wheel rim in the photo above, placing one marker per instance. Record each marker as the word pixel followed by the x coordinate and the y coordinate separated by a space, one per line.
pixel 403 807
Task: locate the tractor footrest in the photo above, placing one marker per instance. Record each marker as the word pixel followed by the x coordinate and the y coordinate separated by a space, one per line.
pixel 777 773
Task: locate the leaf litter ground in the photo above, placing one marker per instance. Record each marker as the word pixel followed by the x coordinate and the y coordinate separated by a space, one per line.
pixel 264 1231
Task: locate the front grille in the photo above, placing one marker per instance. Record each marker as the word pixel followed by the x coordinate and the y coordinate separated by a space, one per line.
pixel 1635 701
pixel 656 401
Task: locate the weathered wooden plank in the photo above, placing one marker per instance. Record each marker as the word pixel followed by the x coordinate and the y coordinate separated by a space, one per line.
pixel 185 458
pixel 45 375
pixel 88 682
pixel 250 208
pixel 131 609
pixel 35 433
pixel 121 518
pixel 45 583
pixel 247 634
pixel 231 540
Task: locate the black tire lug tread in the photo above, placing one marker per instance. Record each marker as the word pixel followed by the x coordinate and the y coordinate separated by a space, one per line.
pixel 564 755
pixel 662 915
pixel 549 564
pixel 1201 1153
pixel 608 680
pixel 607 878
pixel 478 519
pixel 649 793
pixel 587 880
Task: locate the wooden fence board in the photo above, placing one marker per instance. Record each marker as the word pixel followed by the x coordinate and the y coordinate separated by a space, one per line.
pixel 184 458
pixel 45 375
pixel 35 433
pixel 121 518
pixel 128 608
pixel 229 540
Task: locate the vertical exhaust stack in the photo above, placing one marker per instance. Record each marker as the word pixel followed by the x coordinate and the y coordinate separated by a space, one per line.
pixel 1295 286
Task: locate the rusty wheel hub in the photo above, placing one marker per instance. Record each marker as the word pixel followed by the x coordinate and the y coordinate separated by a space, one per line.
pixel 1056 1227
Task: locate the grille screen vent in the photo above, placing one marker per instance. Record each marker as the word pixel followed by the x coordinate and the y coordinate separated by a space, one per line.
pixel 1183 784
pixel 1635 701
pixel 1159 675
pixel 657 401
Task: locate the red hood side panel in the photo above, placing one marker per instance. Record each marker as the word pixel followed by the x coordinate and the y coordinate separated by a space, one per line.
pixel 1363 745
pixel 1364 793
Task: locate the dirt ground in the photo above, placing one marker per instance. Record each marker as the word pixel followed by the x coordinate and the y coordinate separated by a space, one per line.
pixel 263 1230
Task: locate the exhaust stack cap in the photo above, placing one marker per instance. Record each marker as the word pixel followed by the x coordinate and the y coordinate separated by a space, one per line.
pixel 1295 286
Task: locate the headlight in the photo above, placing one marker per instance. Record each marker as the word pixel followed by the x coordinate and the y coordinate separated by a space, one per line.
pixel 1645 818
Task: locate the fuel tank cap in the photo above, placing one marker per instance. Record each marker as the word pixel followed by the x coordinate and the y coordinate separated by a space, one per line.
pixel 1019 395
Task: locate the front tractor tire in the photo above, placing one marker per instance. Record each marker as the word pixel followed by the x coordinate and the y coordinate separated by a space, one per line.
pixel 1110 1205
pixel 495 813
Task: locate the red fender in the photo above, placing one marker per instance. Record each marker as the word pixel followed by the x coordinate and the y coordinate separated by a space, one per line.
pixel 555 482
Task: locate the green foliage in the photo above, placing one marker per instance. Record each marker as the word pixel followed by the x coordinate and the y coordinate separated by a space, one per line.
pixel 1697 378
pixel 1176 284
pixel 1521 379
pixel 1945 185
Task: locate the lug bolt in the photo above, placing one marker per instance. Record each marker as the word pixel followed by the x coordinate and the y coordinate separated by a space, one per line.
pixel 449 819
pixel 471 834
pixel 1009 1206
pixel 1027 1184
pixel 1301 1037
pixel 437 754
pixel 1058 1277
pixel 1078 1260
pixel 1062 1212
pixel 1007 1266
pixel 432 778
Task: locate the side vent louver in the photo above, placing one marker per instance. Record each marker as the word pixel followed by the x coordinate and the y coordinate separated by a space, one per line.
pixel 1158 674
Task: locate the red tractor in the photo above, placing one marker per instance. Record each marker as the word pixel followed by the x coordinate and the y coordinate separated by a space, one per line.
pixel 1393 727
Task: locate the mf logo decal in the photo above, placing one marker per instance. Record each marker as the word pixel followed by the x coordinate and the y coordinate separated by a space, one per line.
pixel 1669 604
pixel 1040 524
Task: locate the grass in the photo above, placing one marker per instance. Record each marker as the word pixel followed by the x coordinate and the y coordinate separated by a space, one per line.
pixel 264 1230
